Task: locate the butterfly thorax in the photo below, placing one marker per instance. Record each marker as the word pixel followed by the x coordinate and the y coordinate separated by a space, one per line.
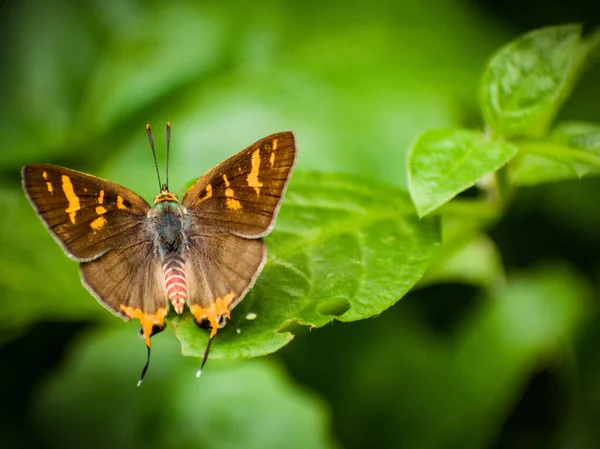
pixel 168 222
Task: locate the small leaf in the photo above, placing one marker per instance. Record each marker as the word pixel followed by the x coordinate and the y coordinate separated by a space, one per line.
pixel 531 170
pixel 445 162
pixel 477 261
pixel 578 135
pixel 525 79
pixel 572 150
pixel 343 248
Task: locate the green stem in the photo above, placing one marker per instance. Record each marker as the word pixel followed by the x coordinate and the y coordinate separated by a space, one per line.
pixel 503 187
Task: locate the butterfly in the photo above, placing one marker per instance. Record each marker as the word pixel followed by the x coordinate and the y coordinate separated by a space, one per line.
pixel 138 260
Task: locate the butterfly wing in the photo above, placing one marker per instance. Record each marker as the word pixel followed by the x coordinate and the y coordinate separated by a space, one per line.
pixel 221 268
pixel 242 194
pixel 129 281
pixel 102 225
pixel 86 215
pixel 232 206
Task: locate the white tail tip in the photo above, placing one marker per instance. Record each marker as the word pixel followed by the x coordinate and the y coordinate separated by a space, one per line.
pixel 199 373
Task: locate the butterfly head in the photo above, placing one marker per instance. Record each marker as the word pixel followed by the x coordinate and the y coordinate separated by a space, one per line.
pixel 165 195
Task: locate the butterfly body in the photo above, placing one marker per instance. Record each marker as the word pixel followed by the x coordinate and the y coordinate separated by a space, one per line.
pixel 136 259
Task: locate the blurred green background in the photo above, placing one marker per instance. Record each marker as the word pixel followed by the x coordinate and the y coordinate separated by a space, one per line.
pixel 449 366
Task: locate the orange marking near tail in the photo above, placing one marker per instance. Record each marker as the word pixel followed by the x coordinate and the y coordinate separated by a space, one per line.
pixel 213 312
pixel 147 320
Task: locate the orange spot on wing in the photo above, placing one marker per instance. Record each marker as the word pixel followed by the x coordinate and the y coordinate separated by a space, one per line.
pixel 98 223
pixel 72 198
pixel 147 320
pixel 233 204
pixel 208 192
pixel 120 204
pixel 253 175
pixel 272 158
pixel 49 185
pixel 213 312
pixel 44 175
pixel 101 197
pixel 100 210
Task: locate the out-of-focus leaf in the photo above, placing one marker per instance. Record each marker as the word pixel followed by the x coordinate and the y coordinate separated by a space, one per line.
pixel 39 282
pixel 571 150
pixel 474 260
pixel 480 372
pixel 340 242
pixel 531 170
pixel 579 135
pixel 93 402
pixel 187 41
pixel 444 162
pixel 525 79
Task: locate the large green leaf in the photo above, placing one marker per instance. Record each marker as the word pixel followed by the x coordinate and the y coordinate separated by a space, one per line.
pixel 525 79
pixel 343 248
pixel 92 401
pixel 444 162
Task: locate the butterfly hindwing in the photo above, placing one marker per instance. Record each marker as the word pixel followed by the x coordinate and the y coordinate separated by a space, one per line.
pixel 129 281
pixel 241 195
pixel 221 270
pixel 86 215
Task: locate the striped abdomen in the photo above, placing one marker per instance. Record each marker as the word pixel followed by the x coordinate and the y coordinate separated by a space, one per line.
pixel 174 269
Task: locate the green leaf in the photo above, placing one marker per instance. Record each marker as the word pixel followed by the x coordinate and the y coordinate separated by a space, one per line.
pixel 579 135
pixel 444 162
pixel 343 248
pixel 476 260
pixel 486 363
pixel 92 401
pixel 525 79
pixel 572 150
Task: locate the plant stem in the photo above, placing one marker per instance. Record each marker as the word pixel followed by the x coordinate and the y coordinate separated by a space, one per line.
pixel 503 187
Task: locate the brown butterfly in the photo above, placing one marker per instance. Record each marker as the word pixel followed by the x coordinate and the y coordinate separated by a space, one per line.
pixel 205 252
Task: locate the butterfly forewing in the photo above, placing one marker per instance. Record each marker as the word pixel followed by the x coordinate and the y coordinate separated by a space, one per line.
pixel 87 215
pixel 241 195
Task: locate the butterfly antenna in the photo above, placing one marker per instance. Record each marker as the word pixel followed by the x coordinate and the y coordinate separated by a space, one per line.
pixel 145 368
pixel 199 372
pixel 149 131
pixel 168 146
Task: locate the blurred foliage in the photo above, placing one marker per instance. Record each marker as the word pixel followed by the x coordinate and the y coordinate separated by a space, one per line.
pixel 242 405
pixel 496 348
